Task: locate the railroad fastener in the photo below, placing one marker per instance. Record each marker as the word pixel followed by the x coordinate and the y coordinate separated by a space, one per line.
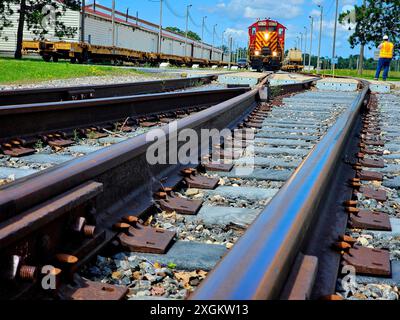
pixel 355 184
pixel 132 220
pixel 66 258
pixel 352 210
pixel 347 239
pixel 18 270
pixel 28 273
pixel 89 230
pixel 341 246
pixel 332 297
pixel 160 195
pixel 350 203
pixel 188 171
pixel 121 226
pixel 79 224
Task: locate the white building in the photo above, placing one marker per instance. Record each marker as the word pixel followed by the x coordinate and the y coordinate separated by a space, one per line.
pixel 130 33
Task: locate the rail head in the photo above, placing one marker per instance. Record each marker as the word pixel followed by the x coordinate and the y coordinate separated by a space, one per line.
pixel 259 263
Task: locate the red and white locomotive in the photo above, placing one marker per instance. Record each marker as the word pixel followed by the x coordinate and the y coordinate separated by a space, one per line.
pixel 266 45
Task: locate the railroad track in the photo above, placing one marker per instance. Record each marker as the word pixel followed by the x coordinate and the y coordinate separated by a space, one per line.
pixel 374 207
pixel 26 96
pixel 53 132
pixel 114 227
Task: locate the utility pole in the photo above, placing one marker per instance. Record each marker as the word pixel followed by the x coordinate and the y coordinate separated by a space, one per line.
pixel 113 25
pixel 160 28
pixel 127 14
pixel 361 59
pixel 320 38
pixel 311 38
pixel 305 46
pixel 230 53
pixel 301 41
pixel 213 40
pixel 334 38
pixel 233 50
pixel 83 21
pixel 187 27
pixel 202 36
pixel 222 47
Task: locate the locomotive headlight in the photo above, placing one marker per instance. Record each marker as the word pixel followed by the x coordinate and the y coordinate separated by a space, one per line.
pixel 274 53
pixel 266 36
pixel 257 53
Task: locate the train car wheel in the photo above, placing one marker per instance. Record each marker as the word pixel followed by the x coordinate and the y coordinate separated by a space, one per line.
pixel 46 57
pixel 55 59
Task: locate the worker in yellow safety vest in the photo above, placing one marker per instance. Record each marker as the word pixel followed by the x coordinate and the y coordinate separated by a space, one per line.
pixel 385 57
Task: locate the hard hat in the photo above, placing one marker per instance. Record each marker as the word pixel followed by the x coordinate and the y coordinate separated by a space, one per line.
pixel 385 38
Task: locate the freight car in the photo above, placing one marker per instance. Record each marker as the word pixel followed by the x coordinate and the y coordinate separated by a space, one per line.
pixel 113 36
pixel 266 45
pixel 293 61
pixel 84 52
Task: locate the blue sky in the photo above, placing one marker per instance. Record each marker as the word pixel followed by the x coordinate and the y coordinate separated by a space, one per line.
pixel 236 15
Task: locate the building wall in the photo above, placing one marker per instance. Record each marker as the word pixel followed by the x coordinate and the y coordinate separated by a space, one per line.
pixel 71 18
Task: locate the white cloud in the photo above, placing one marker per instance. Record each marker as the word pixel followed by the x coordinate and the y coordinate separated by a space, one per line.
pixel 253 9
pixel 236 32
pixel 315 13
pixel 317 2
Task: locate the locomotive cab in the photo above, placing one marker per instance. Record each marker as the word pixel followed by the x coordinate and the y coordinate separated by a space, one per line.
pixel 266 46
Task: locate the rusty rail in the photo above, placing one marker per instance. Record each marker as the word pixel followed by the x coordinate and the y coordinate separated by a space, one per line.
pixel 259 263
pixel 39 118
pixel 25 96
pixel 38 212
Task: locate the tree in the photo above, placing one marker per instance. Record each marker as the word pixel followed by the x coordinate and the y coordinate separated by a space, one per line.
pixel 373 21
pixel 194 36
pixel 191 35
pixel 40 17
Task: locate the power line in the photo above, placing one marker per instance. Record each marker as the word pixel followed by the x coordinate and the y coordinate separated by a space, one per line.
pixel 173 11
pixel 193 21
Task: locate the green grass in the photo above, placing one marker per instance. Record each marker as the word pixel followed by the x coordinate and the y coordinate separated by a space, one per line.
pixel 32 71
pixel 367 74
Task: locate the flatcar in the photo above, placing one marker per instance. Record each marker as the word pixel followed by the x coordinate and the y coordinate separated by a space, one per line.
pixel 266 45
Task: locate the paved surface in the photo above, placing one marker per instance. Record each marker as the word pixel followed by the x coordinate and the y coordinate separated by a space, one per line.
pixel 336 84
pixel 189 255
pixel 246 78
pixel 288 78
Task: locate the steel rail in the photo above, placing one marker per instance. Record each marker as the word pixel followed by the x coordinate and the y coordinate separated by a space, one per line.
pixel 24 96
pixel 259 263
pixel 127 181
pixel 27 192
pixel 39 118
pixel 32 190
